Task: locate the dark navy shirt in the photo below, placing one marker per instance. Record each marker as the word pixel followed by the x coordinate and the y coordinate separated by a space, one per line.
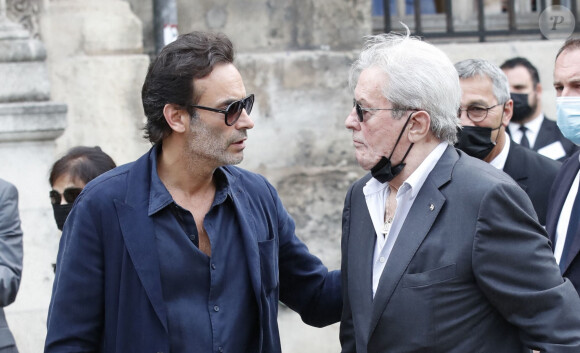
pixel 211 306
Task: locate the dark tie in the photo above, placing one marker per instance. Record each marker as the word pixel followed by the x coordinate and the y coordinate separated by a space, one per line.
pixel 524 141
pixel 573 224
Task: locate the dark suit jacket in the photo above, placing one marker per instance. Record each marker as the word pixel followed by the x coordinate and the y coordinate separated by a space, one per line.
pixel 471 271
pixel 10 258
pixel 550 133
pixel 107 294
pixel 534 173
pixel 558 195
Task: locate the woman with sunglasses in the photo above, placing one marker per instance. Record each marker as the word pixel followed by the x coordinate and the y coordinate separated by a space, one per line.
pixel 70 174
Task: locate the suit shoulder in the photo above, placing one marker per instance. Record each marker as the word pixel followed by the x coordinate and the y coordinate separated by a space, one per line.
pixel 571 164
pixel 548 164
pixel 7 187
pixel 111 182
pixel 236 173
pixel 253 184
pixel 470 167
pixel 549 123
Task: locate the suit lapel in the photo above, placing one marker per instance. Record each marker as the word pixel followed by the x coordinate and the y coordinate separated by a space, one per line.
pixel 560 194
pixel 139 235
pixel 418 222
pixel 360 252
pixel 515 165
pixel 248 231
pixel 573 251
pixel 546 135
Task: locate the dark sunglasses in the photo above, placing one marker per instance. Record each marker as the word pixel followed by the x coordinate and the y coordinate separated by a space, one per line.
pixel 234 110
pixel 70 195
pixel 360 110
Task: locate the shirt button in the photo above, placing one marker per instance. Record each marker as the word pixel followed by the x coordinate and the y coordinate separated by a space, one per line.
pixel 213 266
pixel 216 308
pixel 382 259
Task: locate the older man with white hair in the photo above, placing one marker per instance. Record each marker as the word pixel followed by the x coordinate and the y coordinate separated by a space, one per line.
pixel 441 252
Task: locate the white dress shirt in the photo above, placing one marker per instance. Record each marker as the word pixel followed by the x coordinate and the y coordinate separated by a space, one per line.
pixel 499 160
pixel 562 227
pixel 533 129
pixel 376 195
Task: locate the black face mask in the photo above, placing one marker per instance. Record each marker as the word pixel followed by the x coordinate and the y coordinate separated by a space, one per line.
pixel 475 141
pixel 522 110
pixel 60 213
pixel 383 171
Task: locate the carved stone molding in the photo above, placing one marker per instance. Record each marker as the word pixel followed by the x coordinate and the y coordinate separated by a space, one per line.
pixel 27 13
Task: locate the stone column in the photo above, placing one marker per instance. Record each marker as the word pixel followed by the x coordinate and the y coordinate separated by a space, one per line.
pixel 97 68
pixel 29 125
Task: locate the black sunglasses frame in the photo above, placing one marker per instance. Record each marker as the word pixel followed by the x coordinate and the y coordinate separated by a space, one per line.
pixel 360 110
pixel 234 110
pixel 69 194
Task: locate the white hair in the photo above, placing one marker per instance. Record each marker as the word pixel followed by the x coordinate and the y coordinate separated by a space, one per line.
pixel 419 76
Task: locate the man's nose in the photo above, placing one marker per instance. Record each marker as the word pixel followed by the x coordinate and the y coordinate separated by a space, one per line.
pixel 245 122
pixel 351 121
pixel 465 121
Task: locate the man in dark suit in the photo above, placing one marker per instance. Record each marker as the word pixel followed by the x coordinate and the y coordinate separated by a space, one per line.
pixel 529 126
pixel 441 252
pixel 486 110
pixel 10 259
pixel 180 251
pixel 563 219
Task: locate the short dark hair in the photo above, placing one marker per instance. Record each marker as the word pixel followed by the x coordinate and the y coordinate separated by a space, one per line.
pixel 170 76
pixel 571 43
pixel 81 163
pixel 519 61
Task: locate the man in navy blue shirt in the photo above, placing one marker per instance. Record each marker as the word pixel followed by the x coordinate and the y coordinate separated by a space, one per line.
pixel 180 251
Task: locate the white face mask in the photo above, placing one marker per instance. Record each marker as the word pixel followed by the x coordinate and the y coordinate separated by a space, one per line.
pixel 569 117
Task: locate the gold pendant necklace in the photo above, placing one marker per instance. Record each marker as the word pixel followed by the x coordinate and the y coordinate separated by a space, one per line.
pixel 387 226
pixel 388 219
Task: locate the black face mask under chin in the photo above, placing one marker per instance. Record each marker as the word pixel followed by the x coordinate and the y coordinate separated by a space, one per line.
pixel 60 214
pixel 383 171
pixel 476 140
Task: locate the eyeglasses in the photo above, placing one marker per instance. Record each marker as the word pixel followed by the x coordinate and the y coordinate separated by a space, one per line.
pixel 360 110
pixel 234 110
pixel 475 113
pixel 70 195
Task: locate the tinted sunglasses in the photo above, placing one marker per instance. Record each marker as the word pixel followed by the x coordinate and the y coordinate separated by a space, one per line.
pixel 70 195
pixel 234 110
pixel 360 110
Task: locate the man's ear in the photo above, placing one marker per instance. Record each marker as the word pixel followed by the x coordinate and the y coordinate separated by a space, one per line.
pixel 176 117
pixel 507 112
pixel 419 126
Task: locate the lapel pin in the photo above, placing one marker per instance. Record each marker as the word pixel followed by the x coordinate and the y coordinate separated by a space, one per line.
pixel 431 207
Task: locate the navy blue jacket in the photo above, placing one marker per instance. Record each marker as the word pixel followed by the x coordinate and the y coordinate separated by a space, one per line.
pixel 107 293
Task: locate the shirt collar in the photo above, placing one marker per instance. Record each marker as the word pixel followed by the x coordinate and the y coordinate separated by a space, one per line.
pixel 159 196
pixel 415 181
pixel 533 125
pixel 499 160
pixel 536 124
